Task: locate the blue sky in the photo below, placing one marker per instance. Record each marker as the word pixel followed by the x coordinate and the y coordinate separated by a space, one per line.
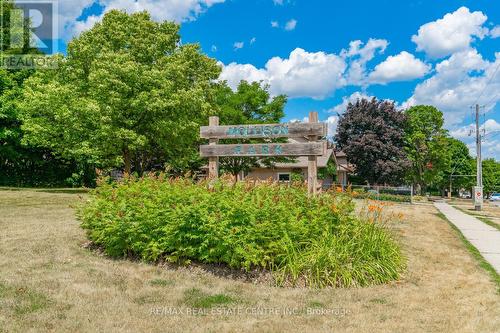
pixel 325 53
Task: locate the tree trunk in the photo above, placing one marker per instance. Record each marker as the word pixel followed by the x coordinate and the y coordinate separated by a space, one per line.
pixel 418 189
pixel 235 175
pixel 423 188
pixel 127 160
pixel 139 165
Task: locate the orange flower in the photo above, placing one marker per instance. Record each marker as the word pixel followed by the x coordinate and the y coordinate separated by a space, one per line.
pixel 334 208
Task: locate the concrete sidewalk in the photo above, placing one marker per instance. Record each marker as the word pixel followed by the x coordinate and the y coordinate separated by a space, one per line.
pixel 485 239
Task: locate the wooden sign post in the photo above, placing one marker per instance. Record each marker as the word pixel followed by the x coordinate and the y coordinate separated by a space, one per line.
pixel 312 165
pixel 311 130
pixel 213 161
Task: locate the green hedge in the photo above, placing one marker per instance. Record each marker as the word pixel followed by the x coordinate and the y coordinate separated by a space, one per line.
pixel 316 240
pixel 381 196
pixel 38 168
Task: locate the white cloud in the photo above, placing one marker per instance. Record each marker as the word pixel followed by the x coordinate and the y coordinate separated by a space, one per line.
pixel 452 33
pixel 291 25
pixel 278 2
pixel 302 74
pixel 318 74
pixel 253 40
pixel 490 148
pixel 366 52
pixel 458 83
pixel 160 10
pixel 238 45
pixel 463 132
pixel 401 67
pixel 332 123
pixel 495 32
pixel 359 55
pixel 490 144
pixel 80 26
pixel 68 12
pixel 214 48
pixel 306 74
pixel 491 125
pixel 234 73
pixel 342 107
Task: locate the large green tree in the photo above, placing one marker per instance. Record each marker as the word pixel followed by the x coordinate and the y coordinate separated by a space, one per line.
pixel 22 165
pixel 251 103
pixel 10 86
pixel 426 146
pixel 458 173
pixel 491 176
pixel 371 134
pixel 128 94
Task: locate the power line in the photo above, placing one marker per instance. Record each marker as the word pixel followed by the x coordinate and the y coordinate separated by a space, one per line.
pixel 487 84
pixel 484 106
pixel 492 101
pixel 491 134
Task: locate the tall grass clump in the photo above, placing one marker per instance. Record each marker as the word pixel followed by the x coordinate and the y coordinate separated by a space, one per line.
pixel 245 226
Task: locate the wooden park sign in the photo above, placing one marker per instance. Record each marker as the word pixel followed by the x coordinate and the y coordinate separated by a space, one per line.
pixel 263 131
pixel 313 148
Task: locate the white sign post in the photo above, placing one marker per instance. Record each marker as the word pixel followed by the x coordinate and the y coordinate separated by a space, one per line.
pixel 478 197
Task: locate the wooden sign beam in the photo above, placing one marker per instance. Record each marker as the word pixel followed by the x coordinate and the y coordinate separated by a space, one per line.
pixel 263 150
pixel 291 130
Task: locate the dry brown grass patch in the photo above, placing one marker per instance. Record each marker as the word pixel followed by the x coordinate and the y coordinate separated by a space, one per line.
pixel 41 250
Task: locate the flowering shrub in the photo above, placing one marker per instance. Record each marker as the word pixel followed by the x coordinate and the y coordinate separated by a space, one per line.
pixel 270 226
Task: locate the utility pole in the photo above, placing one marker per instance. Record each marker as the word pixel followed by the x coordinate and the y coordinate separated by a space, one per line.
pixel 478 189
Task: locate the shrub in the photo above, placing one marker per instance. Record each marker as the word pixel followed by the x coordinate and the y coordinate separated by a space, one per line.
pixel 317 240
pixel 381 196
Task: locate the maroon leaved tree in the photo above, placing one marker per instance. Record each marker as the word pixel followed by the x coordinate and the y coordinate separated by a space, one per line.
pixel 371 133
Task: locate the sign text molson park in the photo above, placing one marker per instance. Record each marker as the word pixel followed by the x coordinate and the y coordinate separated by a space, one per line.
pixel 313 131
pixel 264 132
